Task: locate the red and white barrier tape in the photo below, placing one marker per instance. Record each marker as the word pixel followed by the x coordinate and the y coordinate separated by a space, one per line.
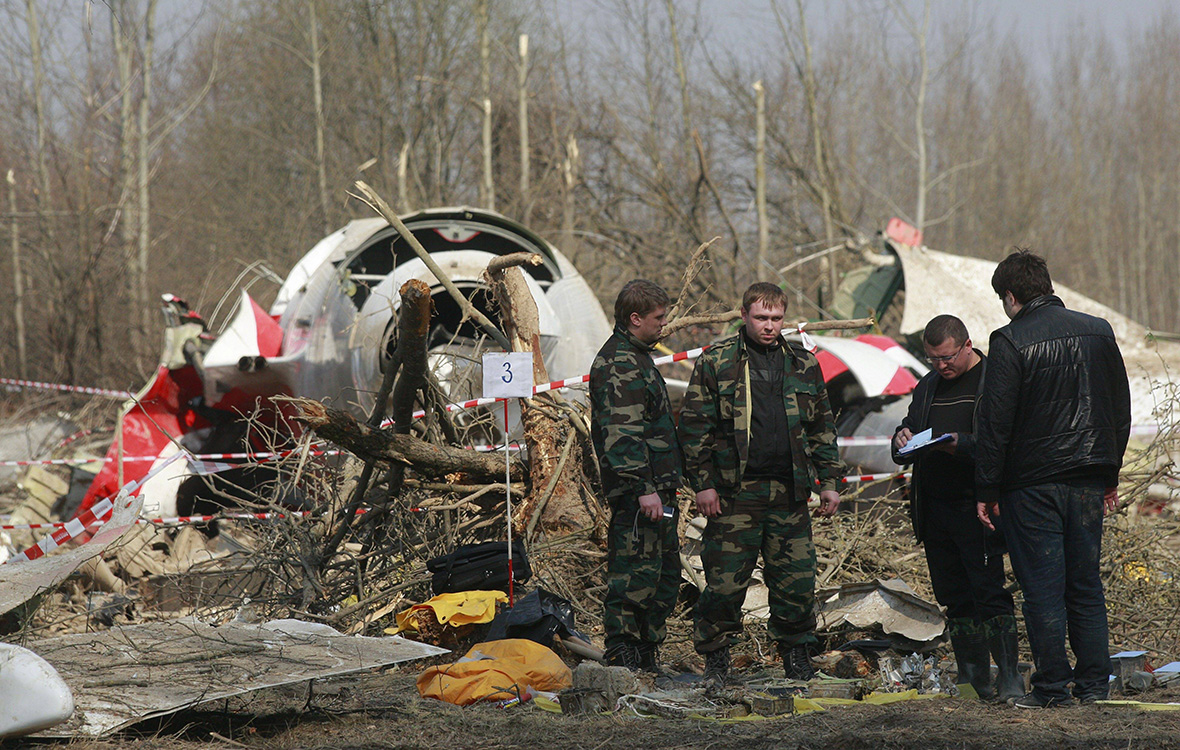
pixel 260 456
pixel 66 531
pixel 161 521
pixel 18 384
pixel 97 514
pixel 92 516
pixel 874 477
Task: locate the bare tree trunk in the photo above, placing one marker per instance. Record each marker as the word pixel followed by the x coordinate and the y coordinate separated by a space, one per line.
pixel 681 72
pixel 317 90
pixel 128 221
pixel 760 175
pixel 821 166
pixel 403 191
pixel 569 168
pixel 43 199
pixel 523 93
pixel 488 188
pixel 920 117
pixel 141 300
pixel 1140 310
pixel 18 281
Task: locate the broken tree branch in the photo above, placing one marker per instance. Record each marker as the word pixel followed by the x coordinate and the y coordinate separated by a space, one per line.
pixel 694 266
pixel 502 263
pixel 371 444
pixel 809 326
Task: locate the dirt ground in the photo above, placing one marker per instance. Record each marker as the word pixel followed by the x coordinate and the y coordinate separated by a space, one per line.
pixel 385 711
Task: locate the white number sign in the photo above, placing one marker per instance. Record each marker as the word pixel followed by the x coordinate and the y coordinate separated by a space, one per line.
pixel 507 374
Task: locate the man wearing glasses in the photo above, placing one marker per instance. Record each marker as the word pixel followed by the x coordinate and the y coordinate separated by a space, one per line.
pixel 966 560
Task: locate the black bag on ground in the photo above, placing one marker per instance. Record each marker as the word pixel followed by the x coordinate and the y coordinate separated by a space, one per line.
pixel 478 567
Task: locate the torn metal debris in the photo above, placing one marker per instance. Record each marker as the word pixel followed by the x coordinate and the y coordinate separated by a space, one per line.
pixel 128 674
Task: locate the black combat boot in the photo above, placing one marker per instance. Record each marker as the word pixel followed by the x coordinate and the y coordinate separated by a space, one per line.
pixel 974 662
pixel 623 654
pixel 796 662
pixel 716 669
pixel 649 661
pixel 1002 641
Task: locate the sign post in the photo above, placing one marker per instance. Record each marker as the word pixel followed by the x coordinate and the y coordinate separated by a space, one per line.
pixel 508 375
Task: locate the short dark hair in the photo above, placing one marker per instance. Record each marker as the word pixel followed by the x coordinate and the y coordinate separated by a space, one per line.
pixel 943 327
pixel 770 295
pixel 1023 273
pixel 638 296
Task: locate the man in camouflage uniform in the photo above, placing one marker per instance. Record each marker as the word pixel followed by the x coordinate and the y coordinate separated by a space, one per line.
pixel 641 465
pixel 758 437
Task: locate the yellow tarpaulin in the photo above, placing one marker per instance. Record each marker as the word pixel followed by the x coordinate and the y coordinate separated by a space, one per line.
pixel 496 670
pixel 460 608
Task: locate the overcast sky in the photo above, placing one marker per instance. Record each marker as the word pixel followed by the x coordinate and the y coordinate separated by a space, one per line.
pixel 1036 24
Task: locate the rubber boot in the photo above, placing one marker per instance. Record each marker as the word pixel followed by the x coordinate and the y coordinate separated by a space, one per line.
pixel 1002 640
pixel 974 662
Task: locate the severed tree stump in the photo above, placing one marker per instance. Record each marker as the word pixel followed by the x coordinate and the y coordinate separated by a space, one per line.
pixel 560 501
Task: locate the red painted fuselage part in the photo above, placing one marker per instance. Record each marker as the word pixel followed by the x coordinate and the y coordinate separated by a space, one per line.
pixel 160 413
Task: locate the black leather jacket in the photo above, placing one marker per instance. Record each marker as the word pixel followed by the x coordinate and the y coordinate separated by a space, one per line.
pixel 918 419
pixel 1057 403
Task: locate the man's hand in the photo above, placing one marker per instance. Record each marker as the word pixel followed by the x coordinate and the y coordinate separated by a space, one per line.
pixel 1110 500
pixel 950 445
pixel 987 511
pixel 708 503
pixel 902 437
pixel 829 502
pixel 651 506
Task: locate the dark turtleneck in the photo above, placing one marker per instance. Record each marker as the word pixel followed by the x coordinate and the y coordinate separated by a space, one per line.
pixel 770 446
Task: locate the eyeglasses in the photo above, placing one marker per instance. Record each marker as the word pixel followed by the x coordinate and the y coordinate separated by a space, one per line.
pixel 947 359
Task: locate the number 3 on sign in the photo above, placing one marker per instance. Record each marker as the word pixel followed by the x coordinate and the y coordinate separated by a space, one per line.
pixel 507 375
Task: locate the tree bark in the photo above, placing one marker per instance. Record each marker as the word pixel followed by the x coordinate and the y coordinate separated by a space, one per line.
pixel 523 94
pixel 487 187
pixel 317 92
pixel 566 508
pixel 374 444
pixel 143 229
pixel 760 175
pixel 18 282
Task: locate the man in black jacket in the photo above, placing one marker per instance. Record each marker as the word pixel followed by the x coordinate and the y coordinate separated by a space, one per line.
pixel 966 562
pixel 1052 425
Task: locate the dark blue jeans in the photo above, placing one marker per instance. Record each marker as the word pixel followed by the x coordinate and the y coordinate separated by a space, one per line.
pixel 1054 536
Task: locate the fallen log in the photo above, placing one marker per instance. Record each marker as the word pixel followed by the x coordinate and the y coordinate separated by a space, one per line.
pixel 374 444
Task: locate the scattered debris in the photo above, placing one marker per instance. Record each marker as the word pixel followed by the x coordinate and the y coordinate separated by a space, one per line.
pixel 127 674
pixel 891 605
pixel 21 581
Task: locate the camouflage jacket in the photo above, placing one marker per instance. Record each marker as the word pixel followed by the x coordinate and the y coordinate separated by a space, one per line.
pixel 715 420
pixel 631 420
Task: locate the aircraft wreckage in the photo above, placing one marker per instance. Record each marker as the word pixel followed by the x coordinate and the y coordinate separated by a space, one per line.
pixel 329 334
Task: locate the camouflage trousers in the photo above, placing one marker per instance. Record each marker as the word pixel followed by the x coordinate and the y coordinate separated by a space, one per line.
pixel 761 517
pixel 643 574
